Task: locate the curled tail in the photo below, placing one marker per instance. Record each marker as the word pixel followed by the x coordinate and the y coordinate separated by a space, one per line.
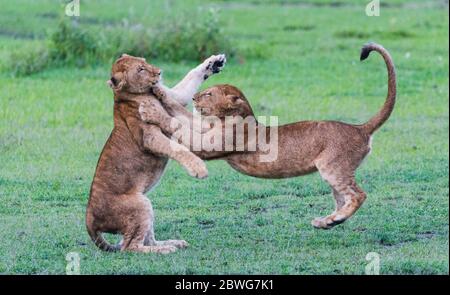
pixel 99 241
pixel 374 123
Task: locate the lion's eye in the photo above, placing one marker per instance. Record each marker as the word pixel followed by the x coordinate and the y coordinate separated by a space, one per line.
pixel 140 69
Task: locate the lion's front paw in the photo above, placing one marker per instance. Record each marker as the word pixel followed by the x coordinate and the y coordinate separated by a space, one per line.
pixel 213 65
pixel 197 169
pixel 158 92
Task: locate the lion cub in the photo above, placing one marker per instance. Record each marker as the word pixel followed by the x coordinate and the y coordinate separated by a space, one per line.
pixel 135 155
pixel 335 149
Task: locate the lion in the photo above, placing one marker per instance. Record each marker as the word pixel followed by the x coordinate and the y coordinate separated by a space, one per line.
pixel 136 154
pixel 334 149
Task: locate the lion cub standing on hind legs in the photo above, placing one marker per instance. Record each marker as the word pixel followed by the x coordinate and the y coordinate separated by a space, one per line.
pixel 335 149
pixel 135 155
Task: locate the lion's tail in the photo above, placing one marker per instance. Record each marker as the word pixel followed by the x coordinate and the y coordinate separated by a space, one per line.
pixel 374 123
pixel 98 239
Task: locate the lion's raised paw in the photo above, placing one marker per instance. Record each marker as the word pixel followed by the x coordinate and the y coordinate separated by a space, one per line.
pixel 213 65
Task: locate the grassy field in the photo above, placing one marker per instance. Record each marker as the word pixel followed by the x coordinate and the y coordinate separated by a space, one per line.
pixel 299 60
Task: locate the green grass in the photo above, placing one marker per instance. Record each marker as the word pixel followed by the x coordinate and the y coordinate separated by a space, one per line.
pixel 53 126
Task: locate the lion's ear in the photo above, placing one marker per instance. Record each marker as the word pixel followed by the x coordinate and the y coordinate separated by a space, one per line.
pixel 117 81
pixel 234 98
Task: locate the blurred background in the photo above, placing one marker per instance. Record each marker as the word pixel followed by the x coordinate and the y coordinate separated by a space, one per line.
pixel 295 59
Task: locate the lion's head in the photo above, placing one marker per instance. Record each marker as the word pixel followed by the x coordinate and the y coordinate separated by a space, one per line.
pixel 133 75
pixel 221 101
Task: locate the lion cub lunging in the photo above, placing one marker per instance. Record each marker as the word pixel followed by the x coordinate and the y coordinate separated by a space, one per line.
pixel 335 149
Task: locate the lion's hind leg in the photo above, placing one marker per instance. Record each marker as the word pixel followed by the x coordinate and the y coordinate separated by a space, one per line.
pixel 348 195
pixel 150 236
pixel 138 220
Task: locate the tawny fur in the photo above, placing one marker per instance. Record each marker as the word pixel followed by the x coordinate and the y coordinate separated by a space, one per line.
pixel 135 155
pixel 334 149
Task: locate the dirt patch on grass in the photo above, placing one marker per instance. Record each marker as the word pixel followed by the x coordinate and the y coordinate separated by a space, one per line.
pixel 398 34
pixel 206 223
pixel 298 28
pixel 426 235
pixel 334 4
pixel 81 19
pixel 20 35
